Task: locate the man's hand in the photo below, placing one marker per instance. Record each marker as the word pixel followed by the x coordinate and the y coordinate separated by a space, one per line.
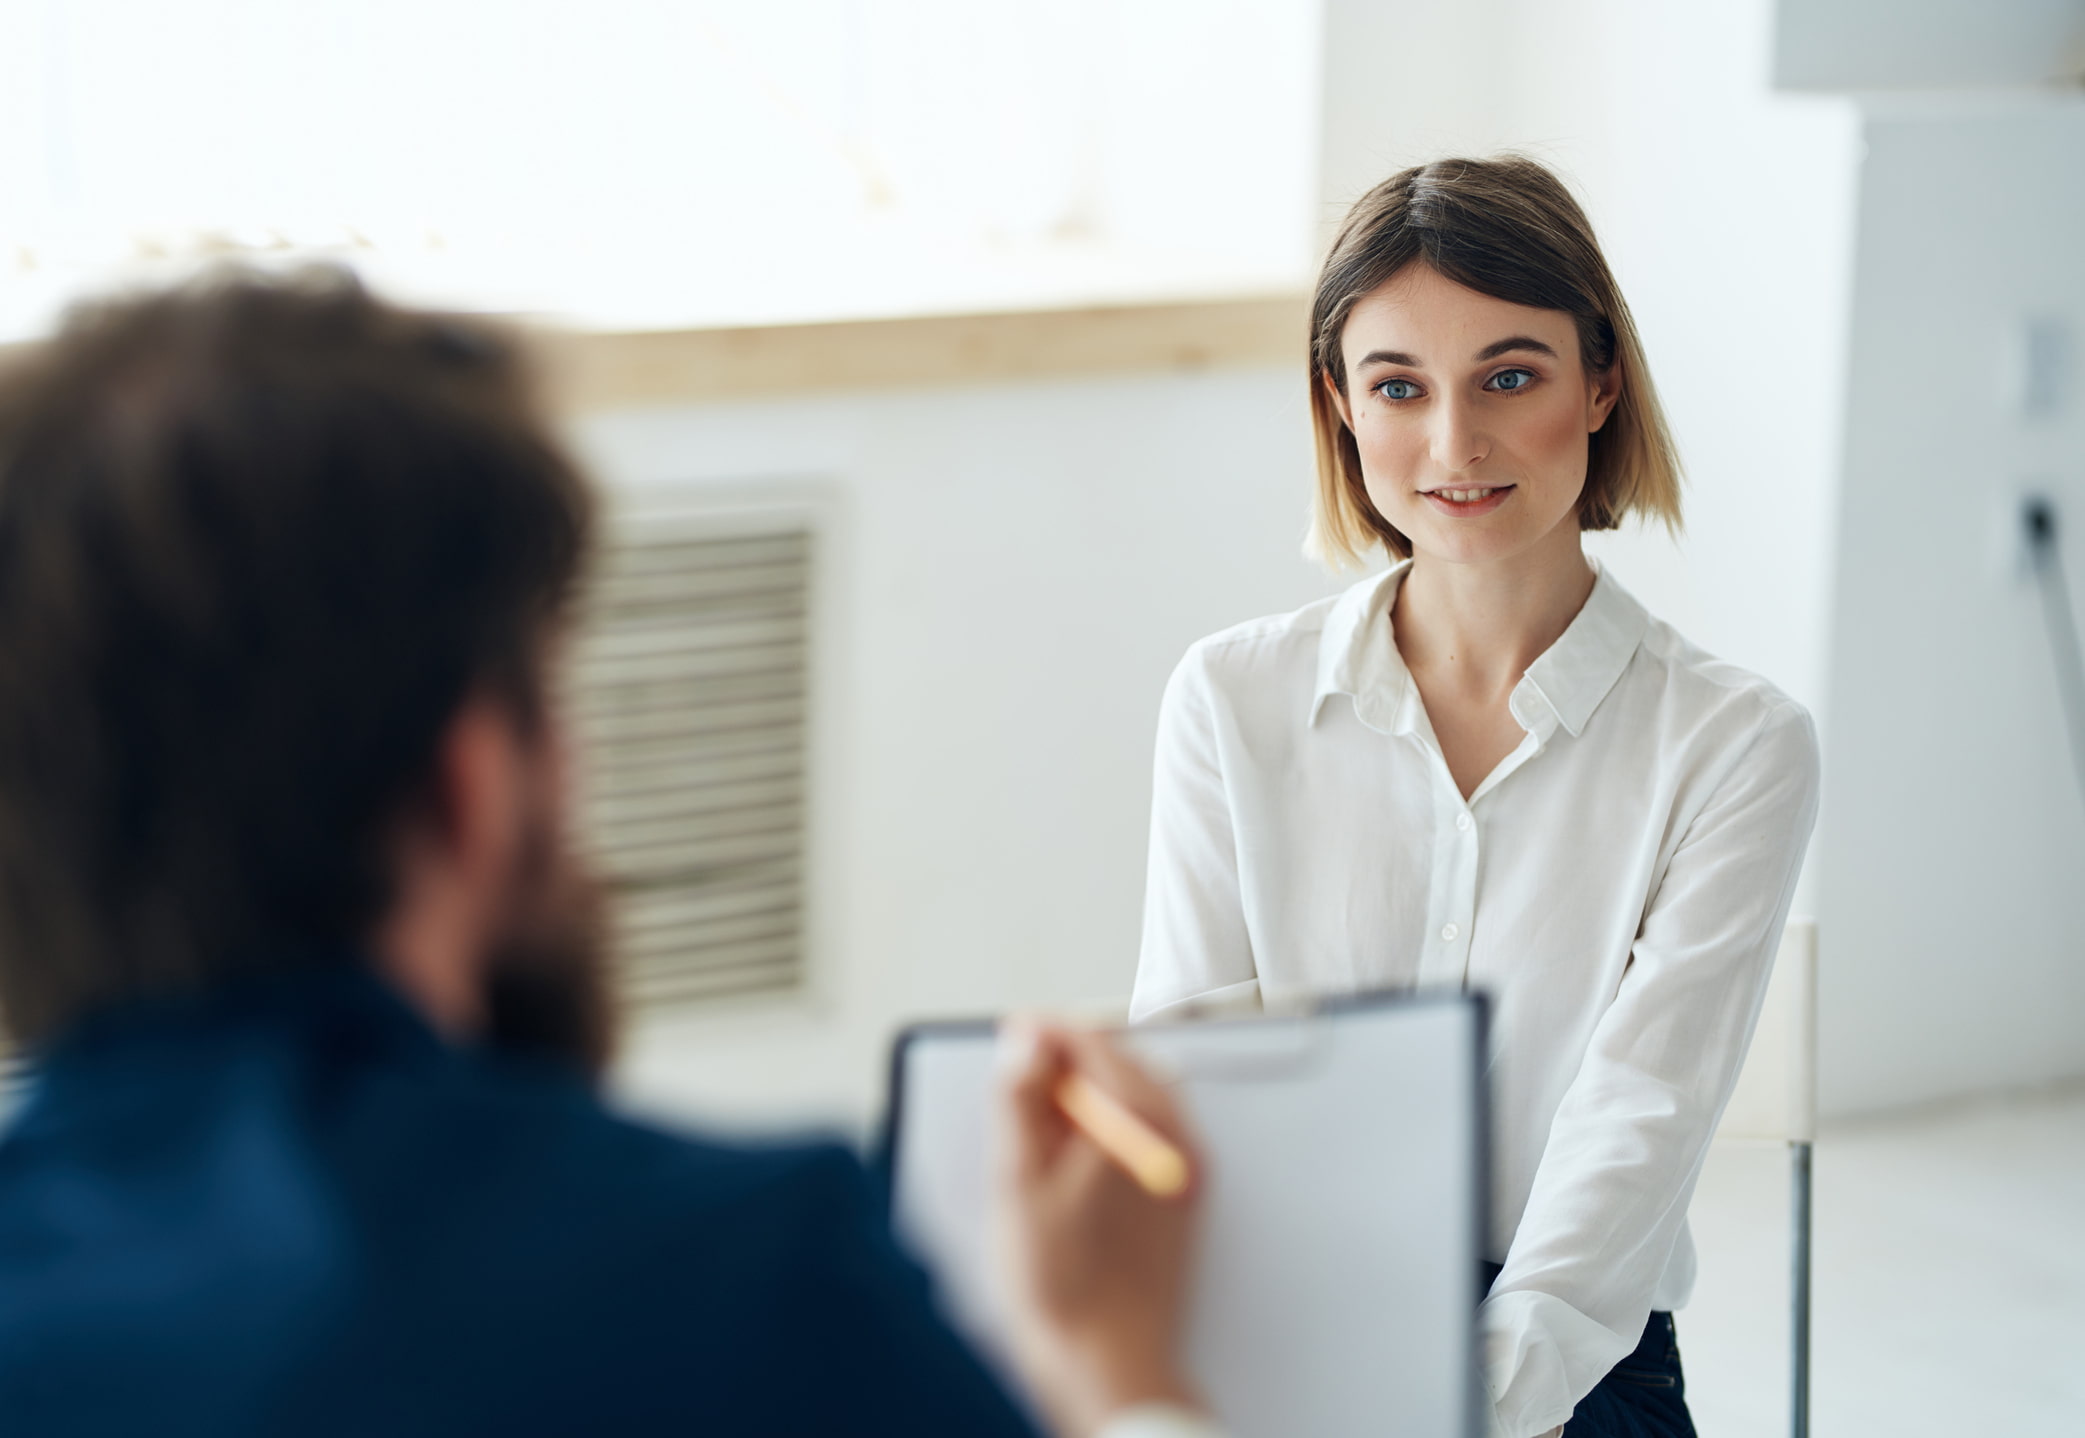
pixel 1095 1267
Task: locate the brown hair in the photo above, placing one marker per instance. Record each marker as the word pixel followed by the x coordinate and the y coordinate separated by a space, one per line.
pixel 1509 229
pixel 259 538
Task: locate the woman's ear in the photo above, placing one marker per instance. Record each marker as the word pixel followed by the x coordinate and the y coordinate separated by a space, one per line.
pixel 1606 393
pixel 1338 398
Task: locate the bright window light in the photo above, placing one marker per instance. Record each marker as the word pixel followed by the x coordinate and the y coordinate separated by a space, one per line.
pixel 633 164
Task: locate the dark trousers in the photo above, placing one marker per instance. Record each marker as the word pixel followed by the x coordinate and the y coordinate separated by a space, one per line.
pixel 1643 1396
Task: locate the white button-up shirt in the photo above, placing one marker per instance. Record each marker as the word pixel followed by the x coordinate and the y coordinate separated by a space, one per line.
pixel 1618 885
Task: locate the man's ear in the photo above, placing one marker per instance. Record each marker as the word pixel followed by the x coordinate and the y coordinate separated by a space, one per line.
pixel 481 776
pixel 453 854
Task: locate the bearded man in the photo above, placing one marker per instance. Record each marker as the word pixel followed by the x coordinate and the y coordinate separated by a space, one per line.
pixel 312 984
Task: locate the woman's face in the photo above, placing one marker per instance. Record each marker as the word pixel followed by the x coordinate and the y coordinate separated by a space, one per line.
pixel 1473 416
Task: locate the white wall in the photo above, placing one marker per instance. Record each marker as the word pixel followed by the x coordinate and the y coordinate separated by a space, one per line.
pixel 630 163
pixel 1952 866
pixel 1011 573
pixel 1927 44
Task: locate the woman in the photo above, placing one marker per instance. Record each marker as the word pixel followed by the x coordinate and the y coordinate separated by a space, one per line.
pixel 1489 767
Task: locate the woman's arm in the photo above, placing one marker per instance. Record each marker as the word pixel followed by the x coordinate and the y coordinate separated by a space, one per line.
pixel 1628 1140
pixel 1195 943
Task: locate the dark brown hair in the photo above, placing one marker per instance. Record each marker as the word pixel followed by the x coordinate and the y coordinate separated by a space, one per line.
pixel 1509 229
pixel 259 538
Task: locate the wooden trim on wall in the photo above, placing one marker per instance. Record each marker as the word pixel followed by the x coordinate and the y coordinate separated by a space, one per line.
pixel 595 371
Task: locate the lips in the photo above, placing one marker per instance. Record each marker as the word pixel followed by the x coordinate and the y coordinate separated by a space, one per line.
pixel 1467 500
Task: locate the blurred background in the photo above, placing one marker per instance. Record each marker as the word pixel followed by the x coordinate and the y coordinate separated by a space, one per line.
pixel 943 359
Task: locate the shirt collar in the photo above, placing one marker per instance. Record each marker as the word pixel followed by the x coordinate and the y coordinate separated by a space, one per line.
pixel 1357 656
pixel 1578 671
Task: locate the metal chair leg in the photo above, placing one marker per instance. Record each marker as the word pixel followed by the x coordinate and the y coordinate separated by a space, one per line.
pixel 1799 1290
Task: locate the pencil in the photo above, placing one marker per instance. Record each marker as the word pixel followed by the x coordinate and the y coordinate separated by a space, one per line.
pixel 1149 1159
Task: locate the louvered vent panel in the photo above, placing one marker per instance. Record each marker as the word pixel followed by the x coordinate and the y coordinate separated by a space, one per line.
pixel 689 697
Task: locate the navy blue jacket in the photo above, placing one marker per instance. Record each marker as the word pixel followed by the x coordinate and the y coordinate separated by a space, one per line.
pixel 292 1209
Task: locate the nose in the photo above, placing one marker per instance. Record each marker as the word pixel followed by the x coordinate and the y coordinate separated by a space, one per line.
pixel 1459 441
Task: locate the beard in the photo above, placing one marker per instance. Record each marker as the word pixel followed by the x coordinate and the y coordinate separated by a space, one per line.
pixel 549 991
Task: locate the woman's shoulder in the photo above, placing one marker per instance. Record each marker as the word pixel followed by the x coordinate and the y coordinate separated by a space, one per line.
pixel 1712 678
pixel 1251 647
pixel 1717 700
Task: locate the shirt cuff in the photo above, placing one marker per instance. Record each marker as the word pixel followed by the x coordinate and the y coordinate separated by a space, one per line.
pixel 1159 1420
pixel 1540 1356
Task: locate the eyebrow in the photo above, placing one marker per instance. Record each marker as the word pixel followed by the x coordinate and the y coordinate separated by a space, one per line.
pixel 1516 342
pixel 1489 352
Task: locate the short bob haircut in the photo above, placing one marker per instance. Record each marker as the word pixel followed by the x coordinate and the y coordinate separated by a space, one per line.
pixel 1509 229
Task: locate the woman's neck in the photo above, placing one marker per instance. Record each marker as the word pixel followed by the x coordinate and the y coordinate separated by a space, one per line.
pixel 1475 628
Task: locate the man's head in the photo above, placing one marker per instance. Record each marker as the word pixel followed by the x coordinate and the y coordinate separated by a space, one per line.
pixel 282 569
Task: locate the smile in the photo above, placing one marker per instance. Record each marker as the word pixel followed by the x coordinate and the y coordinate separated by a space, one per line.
pixel 1480 499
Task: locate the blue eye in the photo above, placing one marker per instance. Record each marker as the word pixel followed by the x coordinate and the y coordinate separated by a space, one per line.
pixel 1398 389
pixel 1506 381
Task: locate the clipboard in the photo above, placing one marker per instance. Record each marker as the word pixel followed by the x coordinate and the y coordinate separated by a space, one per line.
pixel 1344 1192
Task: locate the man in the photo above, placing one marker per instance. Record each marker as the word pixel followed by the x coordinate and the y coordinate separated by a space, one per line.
pixel 289 922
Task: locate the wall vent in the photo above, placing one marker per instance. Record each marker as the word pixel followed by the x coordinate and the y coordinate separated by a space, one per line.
pixel 689 700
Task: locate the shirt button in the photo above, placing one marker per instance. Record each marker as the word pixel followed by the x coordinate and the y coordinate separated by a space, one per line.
pixel 1462 822
pixel 1448 933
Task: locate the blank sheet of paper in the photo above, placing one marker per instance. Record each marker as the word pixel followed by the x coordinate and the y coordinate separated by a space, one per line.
pixel 1337 1274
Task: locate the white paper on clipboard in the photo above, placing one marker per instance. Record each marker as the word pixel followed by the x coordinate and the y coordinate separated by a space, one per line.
pixel 1336 1281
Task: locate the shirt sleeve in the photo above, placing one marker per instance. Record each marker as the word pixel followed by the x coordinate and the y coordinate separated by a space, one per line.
pixel 1195 946
pixel 1628 1140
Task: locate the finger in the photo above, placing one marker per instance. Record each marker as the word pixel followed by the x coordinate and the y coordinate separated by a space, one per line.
pixel 1032 1055
pixel 1032 1058
pixel 1149 1136
pixel 1081 1171
pixel 1103 1061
